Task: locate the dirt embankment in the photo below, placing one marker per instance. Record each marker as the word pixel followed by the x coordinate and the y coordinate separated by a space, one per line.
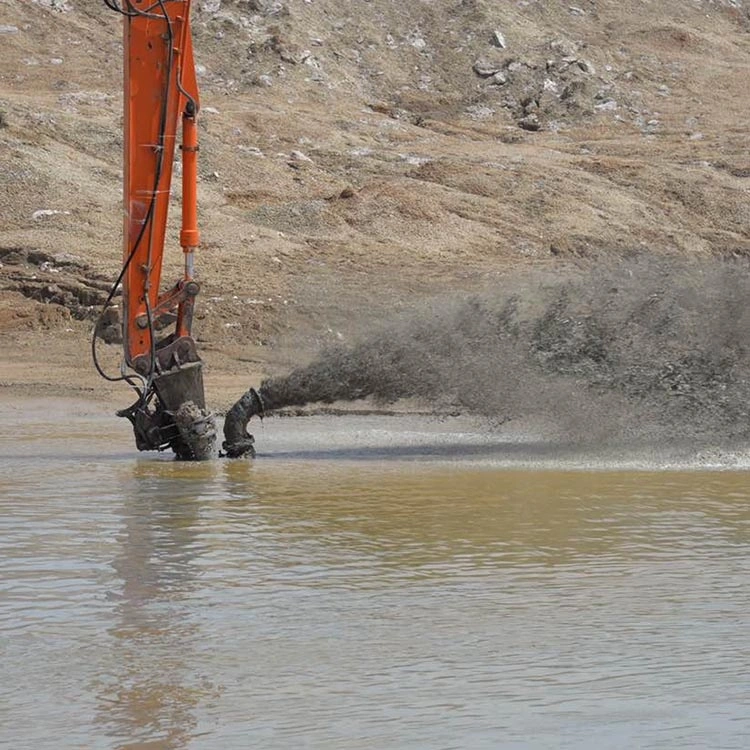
pixel 357 157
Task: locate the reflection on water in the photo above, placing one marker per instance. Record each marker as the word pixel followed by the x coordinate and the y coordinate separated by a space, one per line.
pixel 150 691
pixel 345 604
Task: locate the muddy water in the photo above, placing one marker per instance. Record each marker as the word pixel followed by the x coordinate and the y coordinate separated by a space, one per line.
pixel 365 583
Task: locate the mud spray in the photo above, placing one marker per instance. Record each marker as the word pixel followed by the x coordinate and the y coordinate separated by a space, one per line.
pixel 638 348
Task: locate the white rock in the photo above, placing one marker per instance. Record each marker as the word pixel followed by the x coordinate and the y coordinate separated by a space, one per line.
pixel 530 122
pixel 564 47
pixel 210 110
pixel 7 29
pixel 609 106
pixel 45 212
pixel 252 150
pixel 67 258
pixel 61 5
pixel 499 40
pixel 485 69
pixel 479 112
pixel 415 161
pixel 299 156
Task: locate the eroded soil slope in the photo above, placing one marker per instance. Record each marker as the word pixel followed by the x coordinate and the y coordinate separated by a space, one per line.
pixel 357 156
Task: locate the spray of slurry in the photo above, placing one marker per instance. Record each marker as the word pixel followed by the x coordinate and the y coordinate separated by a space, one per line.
pixel 637 347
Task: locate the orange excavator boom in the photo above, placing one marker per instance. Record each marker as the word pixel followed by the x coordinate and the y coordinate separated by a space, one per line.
pixel 160 359
pixel 160 86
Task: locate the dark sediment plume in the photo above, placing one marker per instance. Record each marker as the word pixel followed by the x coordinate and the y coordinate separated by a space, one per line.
pixel 639 347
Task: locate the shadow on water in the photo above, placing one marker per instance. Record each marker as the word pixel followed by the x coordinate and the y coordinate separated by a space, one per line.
pixel 152 689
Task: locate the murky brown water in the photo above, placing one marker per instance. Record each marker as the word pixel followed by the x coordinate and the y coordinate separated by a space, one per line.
pixel 359 587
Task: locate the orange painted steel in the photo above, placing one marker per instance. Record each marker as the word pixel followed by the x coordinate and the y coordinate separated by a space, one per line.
pixel 160 89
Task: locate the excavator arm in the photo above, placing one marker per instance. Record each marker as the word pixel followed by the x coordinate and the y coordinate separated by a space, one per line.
pixel 160 90
pixel 160 356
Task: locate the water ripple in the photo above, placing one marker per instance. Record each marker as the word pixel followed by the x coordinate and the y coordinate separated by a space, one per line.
pixel 341 606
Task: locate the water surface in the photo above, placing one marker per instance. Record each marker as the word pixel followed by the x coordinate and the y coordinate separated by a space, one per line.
pixel 366 583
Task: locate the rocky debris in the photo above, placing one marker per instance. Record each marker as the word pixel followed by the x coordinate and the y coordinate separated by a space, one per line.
pixel 530 122
pixel 608 105
pixel 53 280
pixel 279 40
pixel 479 112
pixel 225 8
pixel 416 40
pixel 299 156
pixel 109 326
pixel 44 213
pixel 557 87
pixel 73 101
pixel 299 160
pixel 251 150
pixel 62 6
pixel 484 68
pixel 564 47
pixel 498 39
